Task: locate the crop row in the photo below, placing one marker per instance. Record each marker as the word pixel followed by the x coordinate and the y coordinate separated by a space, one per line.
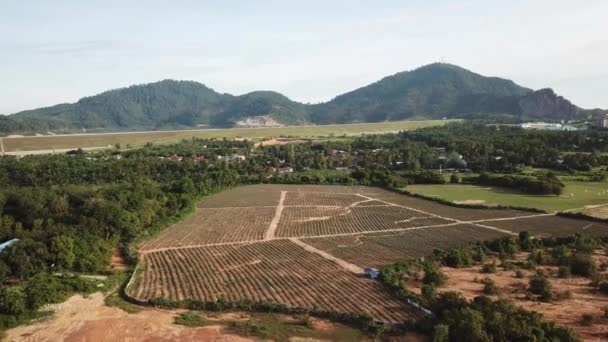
pixel 208 226
pixel 274 271
pixel 300 198
pixel 545 226
pixel 302 222
pixel 379 249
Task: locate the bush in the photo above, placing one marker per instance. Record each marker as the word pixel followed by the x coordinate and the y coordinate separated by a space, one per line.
pixel 12 300
pixel 433 276
pixel 441 333
pixel 489 287
pixel 582 264
pixel 540 285
pixel 488 268
pixel 191 319
pixel 564 272
pixel 458 257
pixel 519 274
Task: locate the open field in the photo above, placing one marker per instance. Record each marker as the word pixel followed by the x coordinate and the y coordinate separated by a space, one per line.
pixel 306 246
pixel 576 195
pixel 102 140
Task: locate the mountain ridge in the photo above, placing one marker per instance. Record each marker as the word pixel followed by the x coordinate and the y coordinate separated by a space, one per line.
pixel 432 91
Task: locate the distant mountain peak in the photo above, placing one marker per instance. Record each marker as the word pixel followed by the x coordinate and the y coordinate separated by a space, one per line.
pixel 431 91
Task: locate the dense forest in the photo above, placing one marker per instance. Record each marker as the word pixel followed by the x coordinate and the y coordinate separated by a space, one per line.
pixel 434 91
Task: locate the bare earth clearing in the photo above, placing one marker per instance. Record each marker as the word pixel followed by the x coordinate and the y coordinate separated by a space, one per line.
pixel 89 319
pixel 306 246
pixel 567 312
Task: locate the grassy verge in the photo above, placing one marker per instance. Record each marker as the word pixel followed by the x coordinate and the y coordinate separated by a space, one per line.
pixel 576 195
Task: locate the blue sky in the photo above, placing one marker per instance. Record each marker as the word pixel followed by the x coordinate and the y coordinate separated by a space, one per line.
pixel 59 51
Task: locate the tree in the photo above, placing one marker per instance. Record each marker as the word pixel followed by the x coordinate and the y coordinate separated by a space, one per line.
pixel 42 289
pixel 441 333
pixel 12 300
pixel 62 248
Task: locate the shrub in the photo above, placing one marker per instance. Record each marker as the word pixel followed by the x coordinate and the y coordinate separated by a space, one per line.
pixel 428 292
pixel 564 272
pixel 489 287
pixel 539 285
pixel 519 274
pixel 582 264
pixel 441 333
pixel 191 319
pixel 12 300
pixel 488 268
pixel 458 257
pixel 433 275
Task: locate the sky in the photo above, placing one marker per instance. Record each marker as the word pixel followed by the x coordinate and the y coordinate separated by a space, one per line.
pixel 59 51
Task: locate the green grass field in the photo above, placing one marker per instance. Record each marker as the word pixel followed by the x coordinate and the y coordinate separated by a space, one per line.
pixel 576 195
pixel 103 140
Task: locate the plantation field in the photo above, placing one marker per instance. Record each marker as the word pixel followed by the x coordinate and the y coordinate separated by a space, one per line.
pixel 576 195
pixel 272 271
pixel 103 140
pixel 306 247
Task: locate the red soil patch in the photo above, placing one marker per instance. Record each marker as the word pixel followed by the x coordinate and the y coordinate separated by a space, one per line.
pixel 566 312
pixel 117 261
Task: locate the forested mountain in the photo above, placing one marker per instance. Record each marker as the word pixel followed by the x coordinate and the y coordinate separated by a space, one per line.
pixel 432 91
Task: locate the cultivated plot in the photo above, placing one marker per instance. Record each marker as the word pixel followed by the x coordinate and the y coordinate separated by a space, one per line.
pixel 310 221
pixel 381 249
pixel 276 271
pixel 215 225
pixel 553 226
pixel 306 246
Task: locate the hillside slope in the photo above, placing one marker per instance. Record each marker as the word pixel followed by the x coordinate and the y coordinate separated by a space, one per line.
pixel 429 92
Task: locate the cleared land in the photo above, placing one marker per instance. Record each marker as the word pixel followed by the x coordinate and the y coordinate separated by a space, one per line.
pixel 582 299
pixel 576 195
pixel 73 141
pixel 305 246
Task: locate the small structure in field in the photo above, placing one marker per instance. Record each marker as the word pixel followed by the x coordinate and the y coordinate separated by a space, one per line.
pixel 372 272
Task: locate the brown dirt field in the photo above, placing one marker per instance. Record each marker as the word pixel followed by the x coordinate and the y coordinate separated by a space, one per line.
pixel 281 141
pixel 566 312
pixel 553 226
pixel 89 319
pixel 215 225
pixel 278 271
pixel 381 249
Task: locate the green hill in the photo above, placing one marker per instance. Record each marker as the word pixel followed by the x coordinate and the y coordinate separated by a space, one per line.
pixel 430 92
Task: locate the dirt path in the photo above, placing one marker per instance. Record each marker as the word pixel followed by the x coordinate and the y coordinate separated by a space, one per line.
pixel 272 228
pixel 344 264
